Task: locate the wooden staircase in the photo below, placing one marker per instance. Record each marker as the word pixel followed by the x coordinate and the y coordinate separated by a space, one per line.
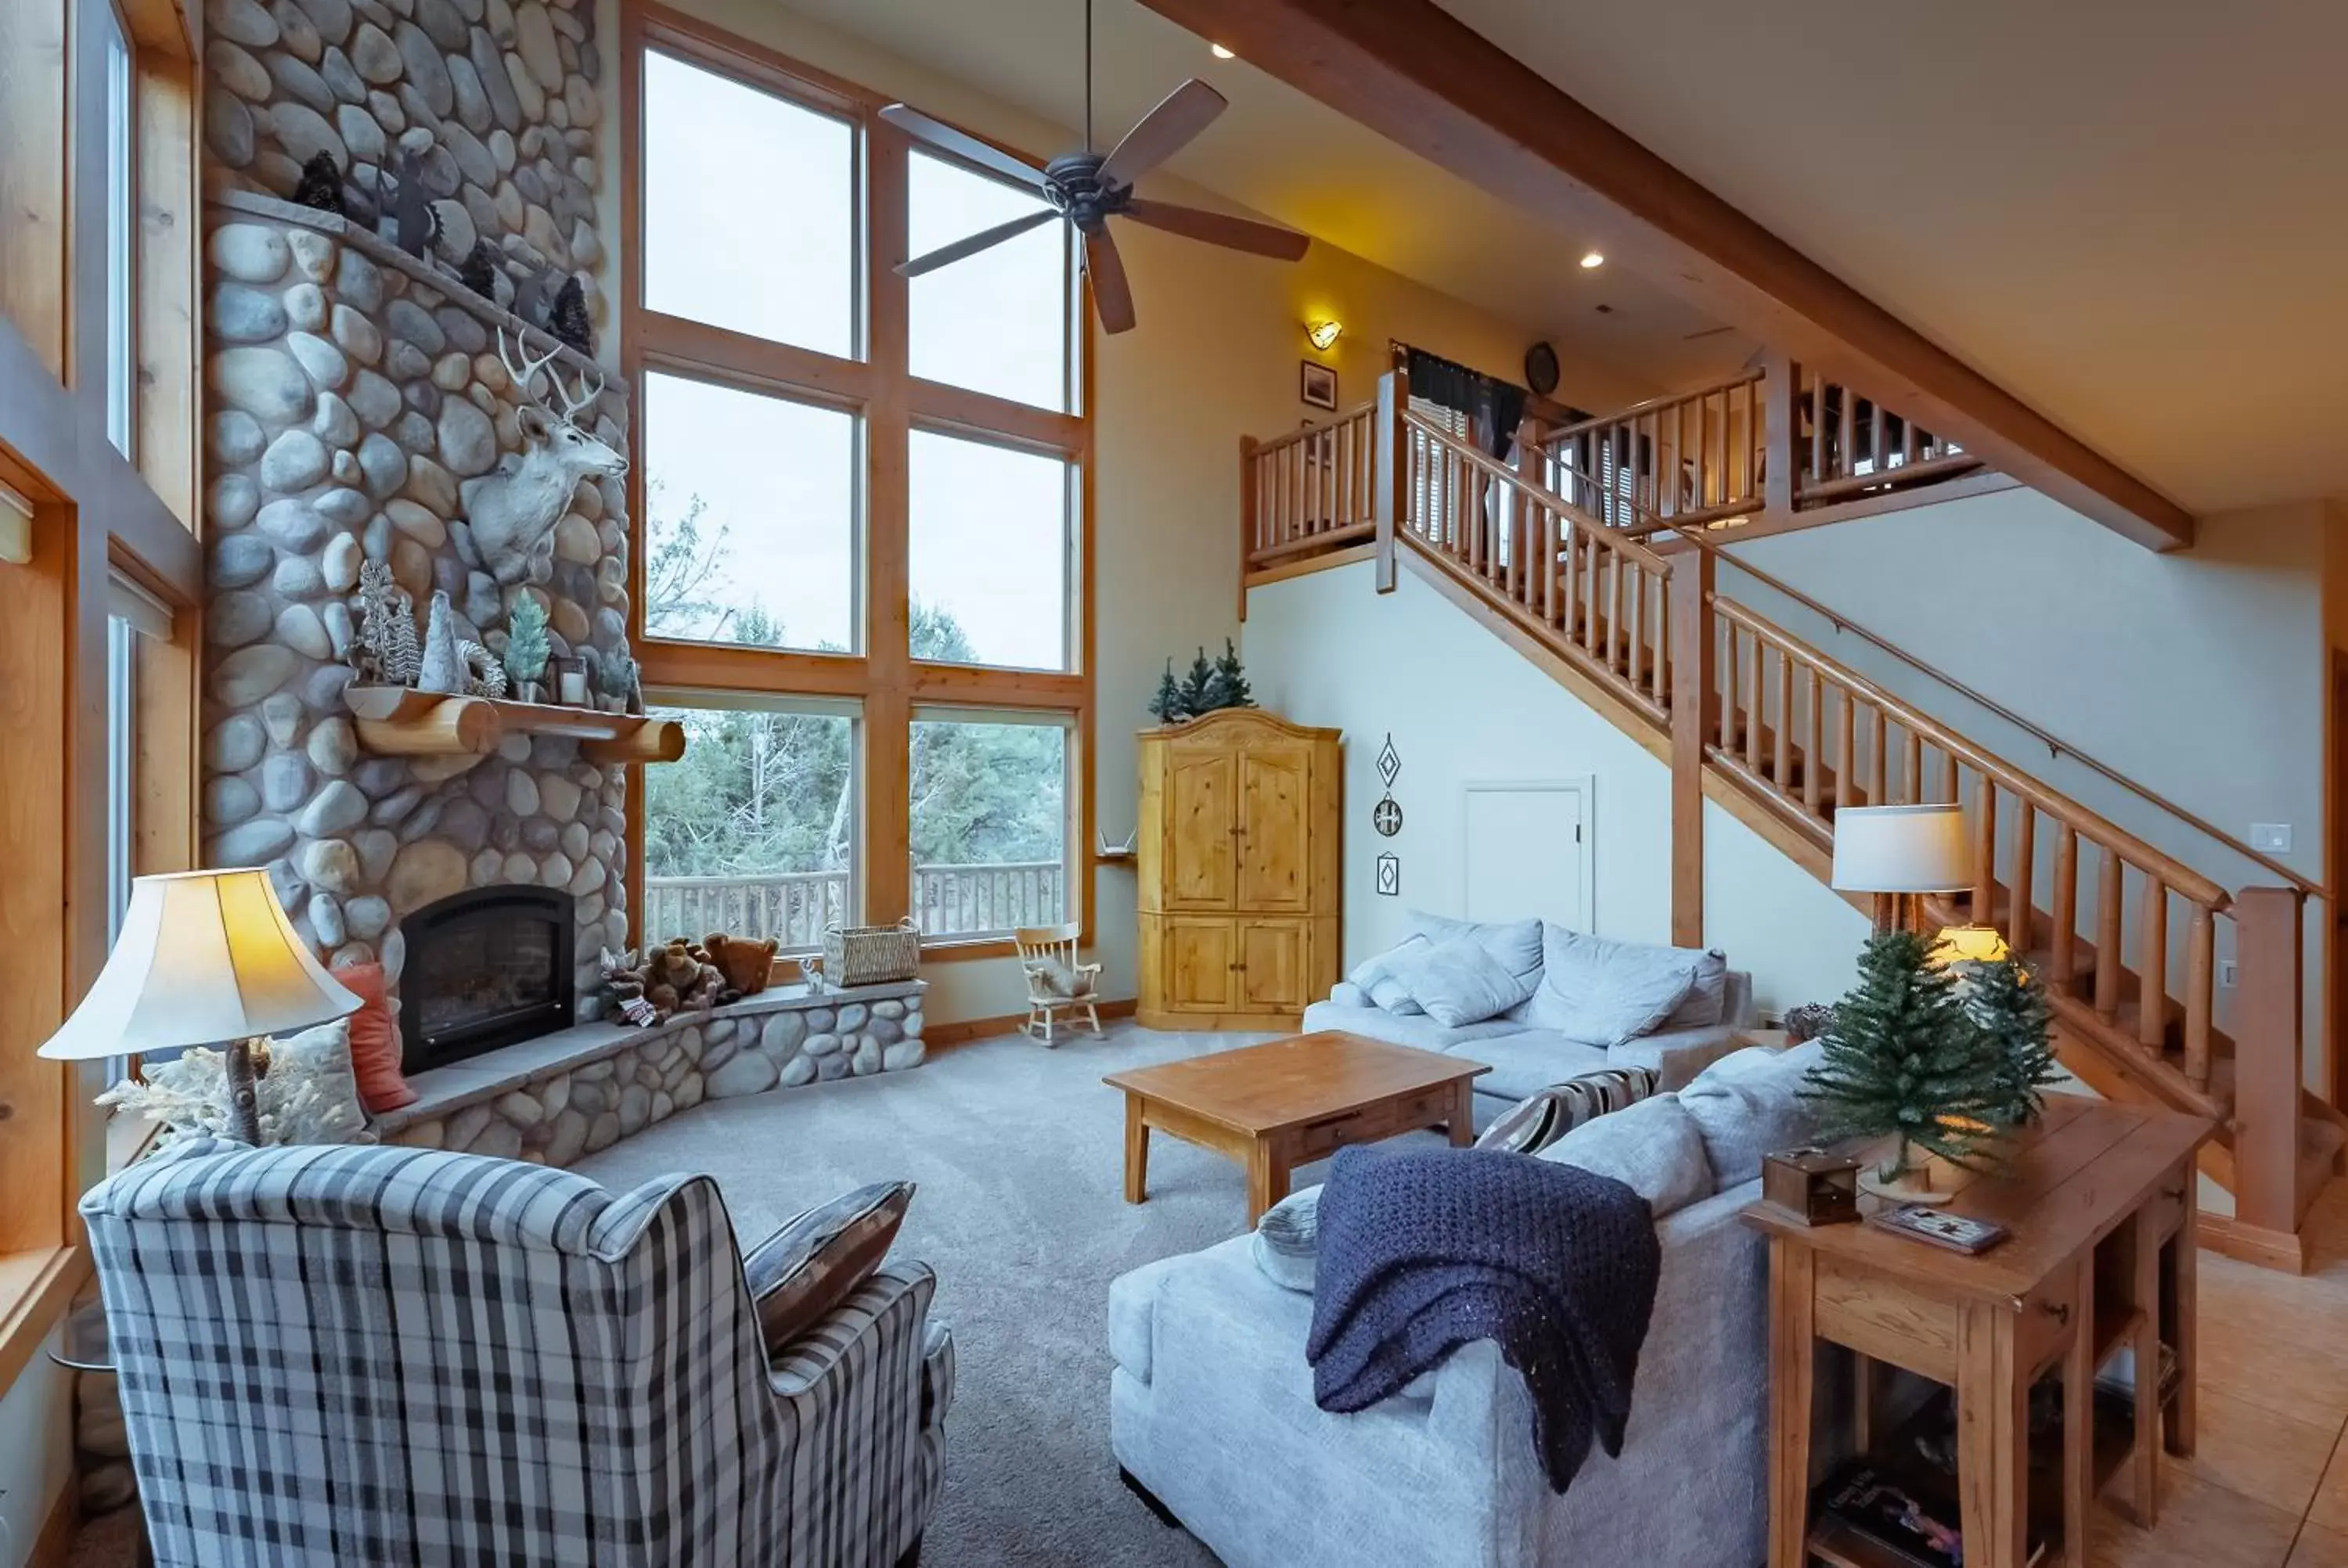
pixel 1623 610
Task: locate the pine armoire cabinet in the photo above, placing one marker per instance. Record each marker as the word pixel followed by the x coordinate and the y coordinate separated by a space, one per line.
pixel 1238 860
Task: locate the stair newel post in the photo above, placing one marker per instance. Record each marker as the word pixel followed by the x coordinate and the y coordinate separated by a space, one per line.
pixel 1784 382
pixel 2267 1059
pixel 1393 498
pixel 1694 703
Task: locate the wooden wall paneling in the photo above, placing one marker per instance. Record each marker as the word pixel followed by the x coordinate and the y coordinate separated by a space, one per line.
pixel 628 147
pixel 33 189
pixel 888 653
pixel 167 415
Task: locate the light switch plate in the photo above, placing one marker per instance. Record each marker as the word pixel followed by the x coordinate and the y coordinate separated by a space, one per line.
pixel 2229 971
pixel 2270 838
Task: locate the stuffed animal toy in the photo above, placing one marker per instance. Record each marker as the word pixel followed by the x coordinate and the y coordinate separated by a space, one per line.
pixel 744 963
pixel 677 977
pixel 624 978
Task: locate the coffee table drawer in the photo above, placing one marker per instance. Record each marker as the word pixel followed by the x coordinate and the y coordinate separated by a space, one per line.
pixel 1332 1133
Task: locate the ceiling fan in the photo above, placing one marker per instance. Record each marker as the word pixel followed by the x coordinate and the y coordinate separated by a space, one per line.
pixel 1089 189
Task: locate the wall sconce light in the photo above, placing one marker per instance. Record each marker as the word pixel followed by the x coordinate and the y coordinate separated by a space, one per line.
pixel 15 528
pixel 1323 334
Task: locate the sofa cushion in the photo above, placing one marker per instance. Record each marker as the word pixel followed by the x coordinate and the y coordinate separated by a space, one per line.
pixel 1287 1240
pixel 1527 1060
pixel 1413 1029
pixel 1706 1003
pixel 1541 1118
pixel 1749 1102
pixel 1653 1147
pixel 1375 976
pixel 1459 980
pixel 811 1264
pixel 1602 992
pixel 1517 944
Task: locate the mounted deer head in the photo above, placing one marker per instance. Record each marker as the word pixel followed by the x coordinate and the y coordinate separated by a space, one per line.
pixel 512 512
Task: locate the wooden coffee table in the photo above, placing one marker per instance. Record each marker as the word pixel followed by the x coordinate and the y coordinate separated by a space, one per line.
pixel 1272 1108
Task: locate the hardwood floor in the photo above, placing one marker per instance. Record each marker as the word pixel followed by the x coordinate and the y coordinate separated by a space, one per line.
pixel 2269 1485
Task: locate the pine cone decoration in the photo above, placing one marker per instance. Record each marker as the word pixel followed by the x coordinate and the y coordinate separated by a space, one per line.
pixel 321 185
pixel 568 320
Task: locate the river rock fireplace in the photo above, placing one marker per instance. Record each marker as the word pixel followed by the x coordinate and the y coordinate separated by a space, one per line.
pixel 486 967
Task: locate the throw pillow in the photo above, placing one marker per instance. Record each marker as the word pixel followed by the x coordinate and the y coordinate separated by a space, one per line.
pixel 1654 1148
pixel 1287 1240
pixel 1536 1122
pixel 1749 1102
pixel 1517 944
pixel 1707 1005
pixel 804 1270
pixel 1056 978
pixel 1602 993
pixel 1375 977
pixel 375 1043
pixel 1459 981
pixel 310 1093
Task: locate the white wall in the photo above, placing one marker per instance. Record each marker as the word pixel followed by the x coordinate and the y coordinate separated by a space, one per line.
pixel 1215 357
pixel 36 1424
pixel 1326 649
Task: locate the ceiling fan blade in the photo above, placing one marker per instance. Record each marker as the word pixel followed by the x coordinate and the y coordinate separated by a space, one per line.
pixel 1163 132
pixel 961 145
pixel 946 255
pixel 1236 233
pixel 1112 295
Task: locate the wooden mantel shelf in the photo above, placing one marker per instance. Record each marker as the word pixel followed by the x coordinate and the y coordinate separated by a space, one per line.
pixel 397 720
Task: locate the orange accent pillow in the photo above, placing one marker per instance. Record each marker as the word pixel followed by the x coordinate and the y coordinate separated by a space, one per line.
pixel 375 1043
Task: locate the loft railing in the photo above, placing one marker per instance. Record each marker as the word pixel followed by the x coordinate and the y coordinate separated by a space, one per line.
pixel 1689 458
pixel 795 906
pixel 1308 489
pixel 2126 936
pixel 1845 444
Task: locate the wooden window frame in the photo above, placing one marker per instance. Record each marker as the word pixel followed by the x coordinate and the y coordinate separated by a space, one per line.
pixel 882 675
pixel 93 509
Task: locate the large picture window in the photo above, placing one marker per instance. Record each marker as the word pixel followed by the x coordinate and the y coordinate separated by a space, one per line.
pixel 859 504
pixel 754 831
pixel 750 518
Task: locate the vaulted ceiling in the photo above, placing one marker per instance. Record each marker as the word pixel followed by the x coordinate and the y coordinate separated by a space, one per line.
pixel 2133 216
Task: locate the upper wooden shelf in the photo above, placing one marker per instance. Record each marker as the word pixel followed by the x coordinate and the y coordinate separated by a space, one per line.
pixel 398 720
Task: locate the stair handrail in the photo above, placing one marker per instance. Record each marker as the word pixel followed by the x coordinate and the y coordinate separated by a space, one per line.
pixel 1616 539
pixel 2176 874
pixel 2055 745
pixel 1307 432
pixel 1650 404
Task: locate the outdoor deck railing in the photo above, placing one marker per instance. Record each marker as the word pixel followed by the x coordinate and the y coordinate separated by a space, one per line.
pixel 795 906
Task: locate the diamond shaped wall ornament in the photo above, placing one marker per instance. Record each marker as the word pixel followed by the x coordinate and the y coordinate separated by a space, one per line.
pixel 1389 762
pixel 1390 875
pixel 1386 817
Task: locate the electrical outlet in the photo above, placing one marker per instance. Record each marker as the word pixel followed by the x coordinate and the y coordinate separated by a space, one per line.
pixel 2228 972
pixel 2270 838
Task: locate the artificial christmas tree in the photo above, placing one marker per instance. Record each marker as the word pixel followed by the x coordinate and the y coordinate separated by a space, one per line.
pixel 1904 1060
pixel 1166 707
pixel 2006 1003
pixel 1228 688
pixel 1199 687
pixel 526 645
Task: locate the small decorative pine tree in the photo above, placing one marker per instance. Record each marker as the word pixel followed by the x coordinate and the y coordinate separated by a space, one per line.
pixel 1903 1059
pixel 568 318
pixel 1232 689
pixel 1199 687
pixel 478 271
pixel 2008 1005
pixel 526 646
pixel 1166 707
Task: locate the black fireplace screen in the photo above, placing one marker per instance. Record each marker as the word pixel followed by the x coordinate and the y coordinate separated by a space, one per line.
pixel 484 969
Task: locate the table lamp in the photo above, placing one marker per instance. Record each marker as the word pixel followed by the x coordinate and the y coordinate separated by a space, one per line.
pixel 1897 852
pixel 204 956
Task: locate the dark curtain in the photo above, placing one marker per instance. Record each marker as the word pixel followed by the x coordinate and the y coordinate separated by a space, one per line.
pixel 1494 407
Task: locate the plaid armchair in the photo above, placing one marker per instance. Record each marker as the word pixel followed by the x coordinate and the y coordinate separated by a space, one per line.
pixel 345 1355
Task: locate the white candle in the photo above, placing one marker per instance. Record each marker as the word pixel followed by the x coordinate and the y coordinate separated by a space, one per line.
pixel 574 687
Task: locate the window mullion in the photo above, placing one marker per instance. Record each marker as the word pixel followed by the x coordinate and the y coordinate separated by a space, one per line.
pixel 888 734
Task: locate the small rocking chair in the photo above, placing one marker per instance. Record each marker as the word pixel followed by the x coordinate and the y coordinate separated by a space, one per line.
pixel 1056 981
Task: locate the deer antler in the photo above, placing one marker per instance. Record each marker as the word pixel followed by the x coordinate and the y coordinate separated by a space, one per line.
pixel 574 405
pixel 526 372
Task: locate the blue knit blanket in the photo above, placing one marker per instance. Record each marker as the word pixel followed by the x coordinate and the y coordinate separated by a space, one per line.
pixel 1422 1251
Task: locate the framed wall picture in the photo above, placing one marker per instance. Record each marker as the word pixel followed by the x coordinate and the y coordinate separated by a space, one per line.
pixel 1317 384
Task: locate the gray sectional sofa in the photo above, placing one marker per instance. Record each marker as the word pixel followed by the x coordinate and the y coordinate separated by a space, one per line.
pixel 1525 1056
pixel 1211 1410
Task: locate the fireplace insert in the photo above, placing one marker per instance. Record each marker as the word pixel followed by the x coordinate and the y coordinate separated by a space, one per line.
pixel 484 969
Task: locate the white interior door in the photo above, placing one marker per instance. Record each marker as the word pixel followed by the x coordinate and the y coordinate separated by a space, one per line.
pixel 1527 851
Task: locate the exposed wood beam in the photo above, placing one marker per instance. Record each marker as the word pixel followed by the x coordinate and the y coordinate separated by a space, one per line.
pixel 1409 70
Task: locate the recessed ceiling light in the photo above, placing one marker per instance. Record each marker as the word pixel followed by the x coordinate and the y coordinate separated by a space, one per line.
pixel 1592 259
pixel 1220 53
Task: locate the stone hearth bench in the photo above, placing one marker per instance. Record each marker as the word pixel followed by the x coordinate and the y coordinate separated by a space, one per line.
pixel 581 1090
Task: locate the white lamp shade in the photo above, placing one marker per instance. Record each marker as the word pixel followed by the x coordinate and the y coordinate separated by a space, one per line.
pixel 1901 849
pixel 204 956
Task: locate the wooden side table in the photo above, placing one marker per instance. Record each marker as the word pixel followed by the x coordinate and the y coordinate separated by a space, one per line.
pixel 2100 1201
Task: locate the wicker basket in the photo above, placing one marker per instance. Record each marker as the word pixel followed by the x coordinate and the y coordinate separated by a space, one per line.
pixel 868 955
